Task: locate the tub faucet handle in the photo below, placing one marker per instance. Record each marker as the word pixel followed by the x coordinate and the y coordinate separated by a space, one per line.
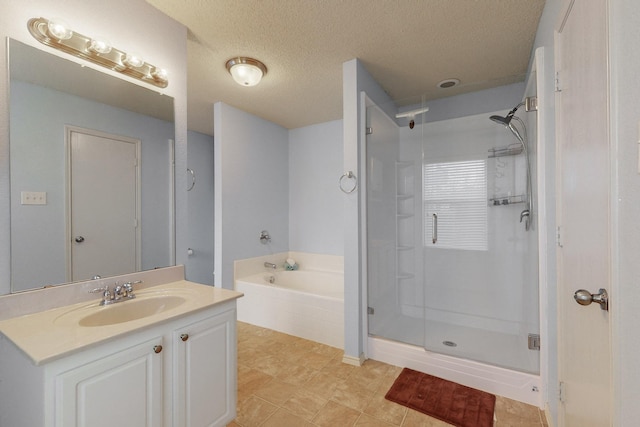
pixel 270 265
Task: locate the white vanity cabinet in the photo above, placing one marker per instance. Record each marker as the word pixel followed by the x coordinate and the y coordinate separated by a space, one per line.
pixel 179 372
pixel 204 372
pixel 121 389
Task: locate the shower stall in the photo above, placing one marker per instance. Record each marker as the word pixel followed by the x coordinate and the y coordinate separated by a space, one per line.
pixel 452 245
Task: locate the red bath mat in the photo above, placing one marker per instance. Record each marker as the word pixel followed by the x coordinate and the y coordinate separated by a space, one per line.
pixel 450 402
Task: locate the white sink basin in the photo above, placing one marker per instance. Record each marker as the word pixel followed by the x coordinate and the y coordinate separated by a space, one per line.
pixel 131 310
pixel 145 305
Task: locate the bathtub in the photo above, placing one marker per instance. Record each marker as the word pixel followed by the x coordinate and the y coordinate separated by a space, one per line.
pixel 305 303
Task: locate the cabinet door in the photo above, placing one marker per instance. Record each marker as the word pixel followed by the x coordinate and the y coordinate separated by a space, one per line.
pixel 204 380
pixel 123 389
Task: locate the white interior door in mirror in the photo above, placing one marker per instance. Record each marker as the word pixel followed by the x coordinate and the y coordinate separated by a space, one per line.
pixel 104 229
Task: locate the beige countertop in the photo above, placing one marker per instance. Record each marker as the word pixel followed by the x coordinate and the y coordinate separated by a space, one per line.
pixel 50 334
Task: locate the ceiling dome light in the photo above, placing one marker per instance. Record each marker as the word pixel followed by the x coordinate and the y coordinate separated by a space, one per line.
pixel 246 71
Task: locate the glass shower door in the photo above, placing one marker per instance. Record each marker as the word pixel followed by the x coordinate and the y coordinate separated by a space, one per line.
pixel 480 277
pixel 393 234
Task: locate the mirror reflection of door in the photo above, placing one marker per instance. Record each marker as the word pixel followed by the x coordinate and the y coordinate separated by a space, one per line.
pixel 103 229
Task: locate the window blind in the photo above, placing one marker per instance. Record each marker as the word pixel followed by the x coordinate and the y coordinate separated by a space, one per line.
pixel 457 193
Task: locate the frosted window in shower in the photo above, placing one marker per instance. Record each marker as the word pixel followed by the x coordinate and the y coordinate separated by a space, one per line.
pixel 457 193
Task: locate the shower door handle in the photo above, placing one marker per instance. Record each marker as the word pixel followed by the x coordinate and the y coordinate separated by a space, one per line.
pixel 434 228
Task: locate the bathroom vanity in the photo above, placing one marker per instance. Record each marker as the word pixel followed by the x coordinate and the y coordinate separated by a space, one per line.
pixel 168 361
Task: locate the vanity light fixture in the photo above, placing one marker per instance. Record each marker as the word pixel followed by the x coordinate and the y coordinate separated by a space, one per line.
pixel 246 71
pixel 56 34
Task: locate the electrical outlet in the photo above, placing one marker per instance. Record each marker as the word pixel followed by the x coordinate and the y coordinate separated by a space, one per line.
pixel 33 197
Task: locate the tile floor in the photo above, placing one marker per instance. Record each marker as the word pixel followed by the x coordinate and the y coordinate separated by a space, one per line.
pixel 285 381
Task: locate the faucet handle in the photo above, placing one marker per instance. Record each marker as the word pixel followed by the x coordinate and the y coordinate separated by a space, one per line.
pixel 106 294
pixel 128 288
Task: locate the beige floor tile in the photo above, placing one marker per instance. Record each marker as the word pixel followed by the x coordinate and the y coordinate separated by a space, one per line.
pixel 337 369
pixel 270 365
pixel 512 413
pixel 418 419
pixel 289 381
pixel 315 361
pixel 322 384
pixel 250 380
pixel 368 421
pixel 305 404
pixel 253 411
pixel 296 374
pixel 388 411
pixel 276 391
pixel 283 418
pixel 334 414
pixel 352 394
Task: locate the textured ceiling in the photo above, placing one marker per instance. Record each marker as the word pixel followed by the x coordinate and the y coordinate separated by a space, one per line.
pixel 407 45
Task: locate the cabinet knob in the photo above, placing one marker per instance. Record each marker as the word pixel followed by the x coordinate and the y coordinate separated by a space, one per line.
pixel 184 337
pixel 157 349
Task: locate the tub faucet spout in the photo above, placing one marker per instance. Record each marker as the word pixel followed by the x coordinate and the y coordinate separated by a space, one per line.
pixel 270 265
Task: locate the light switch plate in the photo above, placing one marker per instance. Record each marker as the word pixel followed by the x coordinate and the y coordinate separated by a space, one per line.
pixel 33 197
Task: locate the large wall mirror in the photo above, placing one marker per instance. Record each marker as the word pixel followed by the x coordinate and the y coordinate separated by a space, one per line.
pixel 92 176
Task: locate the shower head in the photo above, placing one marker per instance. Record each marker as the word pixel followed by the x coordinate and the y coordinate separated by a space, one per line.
pixel 501 120
pixel 506 120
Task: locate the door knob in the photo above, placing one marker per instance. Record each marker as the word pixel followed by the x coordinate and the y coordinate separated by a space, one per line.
pixel 583 297
pixel 79 239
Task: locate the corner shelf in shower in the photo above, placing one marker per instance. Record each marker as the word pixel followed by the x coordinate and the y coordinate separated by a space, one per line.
pixel 509 150
pixel 507 200
pixel 405 227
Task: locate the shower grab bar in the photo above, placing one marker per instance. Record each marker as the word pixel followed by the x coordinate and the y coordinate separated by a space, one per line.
pixel 434 229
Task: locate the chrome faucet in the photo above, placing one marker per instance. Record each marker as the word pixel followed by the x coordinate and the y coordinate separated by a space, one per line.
pixel 270 265
pixel 121 293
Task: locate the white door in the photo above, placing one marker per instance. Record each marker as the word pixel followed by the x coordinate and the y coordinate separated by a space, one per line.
pixel 584 187
pixel 103 205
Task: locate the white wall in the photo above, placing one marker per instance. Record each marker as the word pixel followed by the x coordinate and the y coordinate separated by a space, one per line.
pixel 315 202
pixel 199 266
pixel 624 45
pixel 545 38
pixel 251 169
pixel 131 25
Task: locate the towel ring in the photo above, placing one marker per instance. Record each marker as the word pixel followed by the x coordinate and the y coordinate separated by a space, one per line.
pixel 348 175
pixel 193 179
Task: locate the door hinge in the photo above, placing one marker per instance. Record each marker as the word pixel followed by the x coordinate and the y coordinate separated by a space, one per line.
pixel 558 237
pixel 534 342
pixel 561 392
pixel 370 310
pixel 558 88
pixel 369 131
pixel 531 103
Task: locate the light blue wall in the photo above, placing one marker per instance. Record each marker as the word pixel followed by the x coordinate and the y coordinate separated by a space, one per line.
pixel 315 201
pixel 251 188
pixel 38 119
pixel 355 79
pixel 199 266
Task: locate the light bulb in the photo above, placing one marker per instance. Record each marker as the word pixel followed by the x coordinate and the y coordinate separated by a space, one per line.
pixel 133 60
pixel 100 46
pixel 160 74
pixel 59 29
